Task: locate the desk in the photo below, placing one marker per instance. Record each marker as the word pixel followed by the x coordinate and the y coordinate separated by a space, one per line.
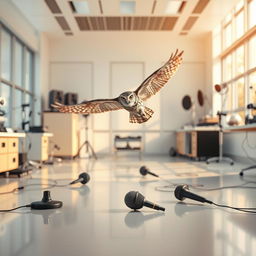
pixel 240 128
pixel 198 142
pixel 9 150
pixel 94 220
pixel 39 150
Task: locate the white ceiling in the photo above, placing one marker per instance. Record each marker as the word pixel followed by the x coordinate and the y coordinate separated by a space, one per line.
pixel 38 14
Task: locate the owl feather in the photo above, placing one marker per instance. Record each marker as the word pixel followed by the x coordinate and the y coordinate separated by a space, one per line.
pixel 138 112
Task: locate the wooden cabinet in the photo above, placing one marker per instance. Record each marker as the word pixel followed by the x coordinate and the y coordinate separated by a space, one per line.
pixel 64 127
pixel 197 144
pixel 39 150
pixel 9 151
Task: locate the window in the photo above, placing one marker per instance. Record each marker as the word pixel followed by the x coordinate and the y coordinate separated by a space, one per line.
pixel 5 55
pixel 18 63
pixel 5 91
pixel 18 109
pixel 227 68
pixel 16 77
pixel 239 24
pixel 252 52
pixel 237 57
pixel 252 90
pixel 239 60
pixel 251 14
pixel 28 70
pixel 227 35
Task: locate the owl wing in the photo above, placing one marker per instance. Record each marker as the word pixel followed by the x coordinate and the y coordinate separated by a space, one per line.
pixel 151 85
pixel 90 107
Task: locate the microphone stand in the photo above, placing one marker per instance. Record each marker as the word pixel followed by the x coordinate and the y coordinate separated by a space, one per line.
pixel 87 144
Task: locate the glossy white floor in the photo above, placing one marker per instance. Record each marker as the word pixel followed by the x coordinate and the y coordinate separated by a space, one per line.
pixel 95 221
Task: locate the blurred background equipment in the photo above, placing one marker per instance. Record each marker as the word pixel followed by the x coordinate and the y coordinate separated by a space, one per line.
pixel 71 98
pixel 55 96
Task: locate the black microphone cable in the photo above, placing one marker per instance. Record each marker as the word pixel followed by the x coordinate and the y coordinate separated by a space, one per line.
pixel 243 186
pixel 13 209
pixel 241 209
pixel 181 192
pixel 83 178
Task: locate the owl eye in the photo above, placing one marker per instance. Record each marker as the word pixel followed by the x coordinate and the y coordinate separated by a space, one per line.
pixel 130 97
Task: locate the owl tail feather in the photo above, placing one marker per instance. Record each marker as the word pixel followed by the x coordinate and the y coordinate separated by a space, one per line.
pixel 138 118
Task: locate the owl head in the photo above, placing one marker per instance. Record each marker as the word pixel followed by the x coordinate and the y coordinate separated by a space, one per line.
pixel 128 99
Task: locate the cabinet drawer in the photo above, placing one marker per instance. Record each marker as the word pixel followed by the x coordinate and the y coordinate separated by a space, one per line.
pixel 3 162
pixel 3 145
pixel 12 161
pixel 13 145
pixel 44 141
pixel 44 156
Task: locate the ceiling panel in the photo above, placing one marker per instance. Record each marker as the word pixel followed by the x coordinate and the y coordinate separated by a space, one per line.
pixel 62 22
pixel 200 6
pixel 189 23
pixel 53 6
pixel 105 15
pixel 169 23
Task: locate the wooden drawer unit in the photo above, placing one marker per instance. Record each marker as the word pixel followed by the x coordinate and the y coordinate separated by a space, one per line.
pixel 194 144
pixel 180 140
pixel 44 141
pixel 9 151
pixel 12 161
pixel 3 162
pixel 39 146
pixel 197 144
pixel 13 145
pixel 3 145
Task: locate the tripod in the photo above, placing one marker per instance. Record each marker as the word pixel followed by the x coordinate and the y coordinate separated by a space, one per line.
pixel 220 158
pixel 88 147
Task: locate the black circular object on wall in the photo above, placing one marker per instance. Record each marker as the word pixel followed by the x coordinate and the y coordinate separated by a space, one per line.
pixel 200 98
pixel 186 102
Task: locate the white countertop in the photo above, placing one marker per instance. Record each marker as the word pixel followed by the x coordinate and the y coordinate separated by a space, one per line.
pixel 95 221
pixel 47 134
pixel 12 134
pixel 199 128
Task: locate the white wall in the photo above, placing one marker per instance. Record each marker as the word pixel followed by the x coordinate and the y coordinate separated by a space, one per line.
pixel 126 58
pixel 15 21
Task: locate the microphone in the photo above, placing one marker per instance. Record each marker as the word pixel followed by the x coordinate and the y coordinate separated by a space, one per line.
pixel 136 200
pixel 144 171
pixel 84 177
pixel 181 192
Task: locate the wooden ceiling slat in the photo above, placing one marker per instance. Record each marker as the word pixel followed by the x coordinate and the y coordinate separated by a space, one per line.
pixel 169 23
pixel 94 23
pixel 182 6
pixel 53 6
pixel 127 23
pixel 139 23
pixel 82 23
pixel 100 6
pixel 200 6
pixel 113 23
pixel 62 22
pixel 190 22
pixel 101 25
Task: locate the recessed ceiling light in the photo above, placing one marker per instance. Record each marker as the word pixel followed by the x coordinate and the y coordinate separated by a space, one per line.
pixel 80 7
pixel 173 7
pixel 127 7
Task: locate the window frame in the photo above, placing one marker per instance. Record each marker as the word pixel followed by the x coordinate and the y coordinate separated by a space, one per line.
pixel 12 83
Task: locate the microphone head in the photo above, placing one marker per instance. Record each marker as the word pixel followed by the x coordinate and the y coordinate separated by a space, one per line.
pixel 85 176
pixel 178 192
pixel 143 170
pixel 134 200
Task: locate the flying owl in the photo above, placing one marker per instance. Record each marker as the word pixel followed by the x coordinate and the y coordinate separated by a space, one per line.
pixel 132 101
